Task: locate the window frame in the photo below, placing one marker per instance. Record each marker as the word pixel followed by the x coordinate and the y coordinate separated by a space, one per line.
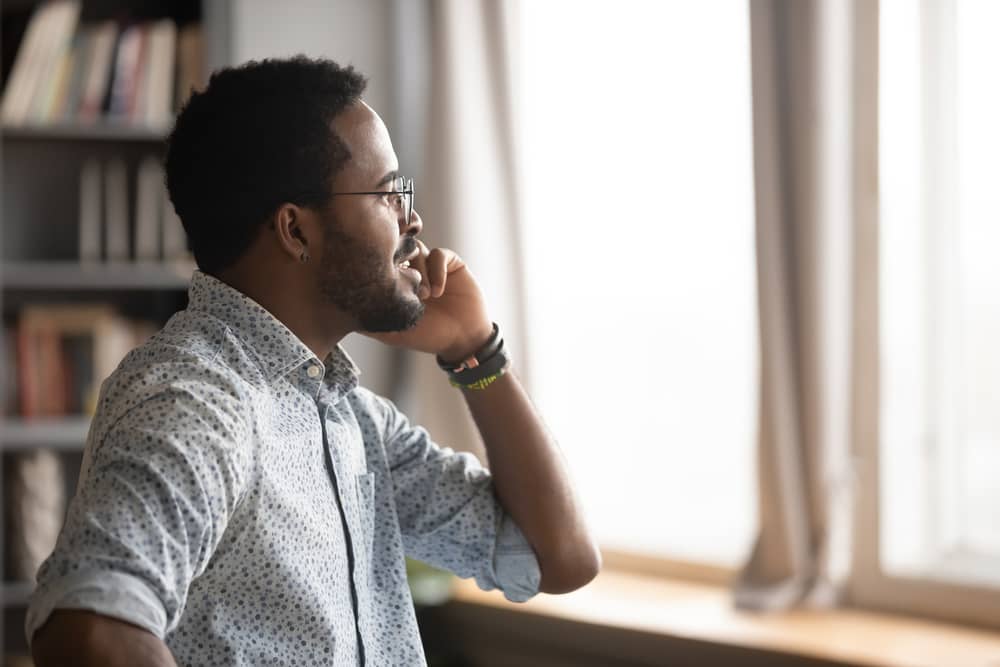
pixel 869 585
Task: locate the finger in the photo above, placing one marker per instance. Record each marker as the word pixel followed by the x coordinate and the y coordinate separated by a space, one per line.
pixel 420 264
pixel 437 270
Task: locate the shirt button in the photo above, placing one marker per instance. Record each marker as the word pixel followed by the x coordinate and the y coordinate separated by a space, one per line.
pixel 314 371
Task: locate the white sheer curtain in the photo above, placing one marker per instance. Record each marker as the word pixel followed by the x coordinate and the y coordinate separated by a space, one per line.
pixel 456 114
pixel 807 100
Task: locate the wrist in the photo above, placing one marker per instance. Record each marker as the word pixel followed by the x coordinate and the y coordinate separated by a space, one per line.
pixel 468 346
pixel 481 368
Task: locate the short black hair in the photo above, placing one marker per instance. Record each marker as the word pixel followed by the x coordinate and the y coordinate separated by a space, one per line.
pixel 258 136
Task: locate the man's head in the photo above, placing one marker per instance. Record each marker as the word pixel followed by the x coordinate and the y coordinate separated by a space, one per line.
pixel 257 167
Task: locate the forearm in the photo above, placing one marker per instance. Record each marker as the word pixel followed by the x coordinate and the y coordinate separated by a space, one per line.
pixel 76 638
pixel 533 485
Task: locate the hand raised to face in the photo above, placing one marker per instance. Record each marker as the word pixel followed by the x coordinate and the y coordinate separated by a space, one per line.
pixel 455 323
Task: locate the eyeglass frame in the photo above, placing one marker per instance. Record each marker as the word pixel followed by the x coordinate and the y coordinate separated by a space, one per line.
pixel 407 184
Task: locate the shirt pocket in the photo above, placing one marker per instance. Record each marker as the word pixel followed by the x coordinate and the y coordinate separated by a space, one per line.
pixel 365 485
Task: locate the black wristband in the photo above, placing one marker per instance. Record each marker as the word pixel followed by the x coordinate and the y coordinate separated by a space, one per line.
pixel 484 354
pixel 484 374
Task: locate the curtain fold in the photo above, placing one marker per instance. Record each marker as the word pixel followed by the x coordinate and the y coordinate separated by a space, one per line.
pixel 803 65
pixel 468 195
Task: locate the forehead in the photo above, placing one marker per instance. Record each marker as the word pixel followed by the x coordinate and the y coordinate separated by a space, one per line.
pixel 367 138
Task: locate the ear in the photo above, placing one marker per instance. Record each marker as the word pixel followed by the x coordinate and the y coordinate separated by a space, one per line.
pixel 294 228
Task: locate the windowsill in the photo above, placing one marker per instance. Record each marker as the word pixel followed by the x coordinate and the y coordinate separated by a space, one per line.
pixel 704 613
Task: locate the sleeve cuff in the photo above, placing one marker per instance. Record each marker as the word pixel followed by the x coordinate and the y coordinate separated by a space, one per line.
pixel 516 566
pixel 113 594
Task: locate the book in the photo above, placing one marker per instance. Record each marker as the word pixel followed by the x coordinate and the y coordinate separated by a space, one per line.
pixel 9 373
pixel 58 39
pixel 78 369
pixel 28 388
pixel 127 70
pixel 156 96
pixel 148 209
pixel 97 76
pixel 19 78
pixel 49 31
pixel 90 211
pixel 66 107
pixel 66 351
pixel 50 369
pixel 116 227
pixel 35 503
pixel 55 87
pixel 190 63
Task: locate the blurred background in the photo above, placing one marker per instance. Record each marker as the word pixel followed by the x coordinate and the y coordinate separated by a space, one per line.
pixel 744 252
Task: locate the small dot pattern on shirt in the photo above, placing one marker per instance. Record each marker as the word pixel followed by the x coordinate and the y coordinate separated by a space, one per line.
pixel 237 494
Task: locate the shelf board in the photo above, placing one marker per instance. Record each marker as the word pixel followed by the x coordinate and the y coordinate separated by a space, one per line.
pixel 16 593
pixel 103 131
pixel 67 433
pixel 111 276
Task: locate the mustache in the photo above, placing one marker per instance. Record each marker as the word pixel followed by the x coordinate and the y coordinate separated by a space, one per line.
pixel 405 249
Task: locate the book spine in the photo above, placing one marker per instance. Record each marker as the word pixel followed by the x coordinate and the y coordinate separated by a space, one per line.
pixel 90 211
pixel 160 82
pixel 116 228
pixel 99 71
pixel 27 372
pixel 25 73
pixel 138 92
pixel 58 38
pixel 148 211
pixel 127 61
pixel 69 105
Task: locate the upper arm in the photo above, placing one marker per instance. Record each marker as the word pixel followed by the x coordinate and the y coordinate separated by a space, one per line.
pixel 83 638
pixel 152 503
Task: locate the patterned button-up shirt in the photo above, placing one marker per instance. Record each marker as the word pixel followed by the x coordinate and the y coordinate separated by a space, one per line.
pixel 252 505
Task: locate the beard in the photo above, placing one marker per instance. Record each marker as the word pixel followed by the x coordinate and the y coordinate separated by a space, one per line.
pixel 355 279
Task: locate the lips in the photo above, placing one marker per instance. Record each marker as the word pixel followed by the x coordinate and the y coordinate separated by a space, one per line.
pixel 409 256
pixel 407 270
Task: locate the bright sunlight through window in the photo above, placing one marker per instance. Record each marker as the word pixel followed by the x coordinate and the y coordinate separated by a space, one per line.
pixel 639 241
pixel 940 289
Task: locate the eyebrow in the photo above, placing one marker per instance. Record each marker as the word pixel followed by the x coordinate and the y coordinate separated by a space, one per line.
pixel 388 178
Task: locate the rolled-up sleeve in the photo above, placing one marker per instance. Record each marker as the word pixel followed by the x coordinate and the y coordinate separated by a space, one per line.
pixel 153 500
pixel 449 515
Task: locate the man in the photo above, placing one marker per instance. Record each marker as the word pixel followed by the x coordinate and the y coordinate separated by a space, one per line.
pixel 242 502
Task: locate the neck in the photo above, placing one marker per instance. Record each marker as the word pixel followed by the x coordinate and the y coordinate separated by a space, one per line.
pixel 288 292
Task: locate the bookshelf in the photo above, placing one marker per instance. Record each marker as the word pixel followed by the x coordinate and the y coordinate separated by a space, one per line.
pixel 42 161
pixel 15 594
pixel 60 433
pixel 74 276
pixel 105 131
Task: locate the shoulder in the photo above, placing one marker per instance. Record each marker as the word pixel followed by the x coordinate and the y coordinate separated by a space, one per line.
pixel 191 361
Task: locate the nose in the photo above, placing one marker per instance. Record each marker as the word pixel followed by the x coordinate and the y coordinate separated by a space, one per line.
pixel 415 226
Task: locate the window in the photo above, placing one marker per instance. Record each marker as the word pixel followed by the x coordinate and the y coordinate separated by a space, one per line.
pixel 935 544
pixel 940 290
pixel 639 241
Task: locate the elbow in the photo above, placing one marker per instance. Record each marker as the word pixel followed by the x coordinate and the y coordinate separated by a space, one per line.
pixel 571 572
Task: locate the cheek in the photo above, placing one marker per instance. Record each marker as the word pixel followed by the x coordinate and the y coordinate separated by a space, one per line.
pixel 375 226
pixel 370 231
pixel 356 261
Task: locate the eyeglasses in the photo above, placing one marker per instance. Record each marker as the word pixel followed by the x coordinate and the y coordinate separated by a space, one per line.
pixel 401 196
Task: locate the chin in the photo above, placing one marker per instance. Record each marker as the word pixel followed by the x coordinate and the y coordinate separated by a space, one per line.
pixel 402 315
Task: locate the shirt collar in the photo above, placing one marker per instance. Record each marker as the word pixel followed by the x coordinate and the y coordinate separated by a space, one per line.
pixel 277 350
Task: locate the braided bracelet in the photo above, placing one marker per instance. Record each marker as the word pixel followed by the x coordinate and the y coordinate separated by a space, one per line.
pixel 483 368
